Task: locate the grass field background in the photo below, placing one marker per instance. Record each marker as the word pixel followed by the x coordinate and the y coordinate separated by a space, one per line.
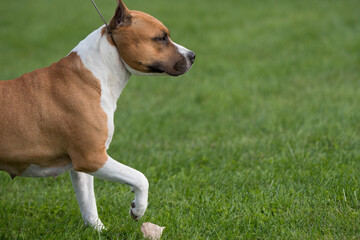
pixel 260 140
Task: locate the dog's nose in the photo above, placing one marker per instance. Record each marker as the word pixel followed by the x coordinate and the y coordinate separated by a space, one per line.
pixel 191 56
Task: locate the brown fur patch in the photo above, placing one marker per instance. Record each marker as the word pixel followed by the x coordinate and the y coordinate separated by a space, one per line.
pixel 51 117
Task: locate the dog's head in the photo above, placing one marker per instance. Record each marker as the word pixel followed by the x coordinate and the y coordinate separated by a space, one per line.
pixel 145 46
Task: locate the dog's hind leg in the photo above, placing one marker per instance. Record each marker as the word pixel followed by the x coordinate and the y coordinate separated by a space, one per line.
pixel 117 172
pixel 84 189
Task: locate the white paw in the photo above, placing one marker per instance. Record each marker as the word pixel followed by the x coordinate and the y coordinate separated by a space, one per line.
pixel 136 212
pixel 97 225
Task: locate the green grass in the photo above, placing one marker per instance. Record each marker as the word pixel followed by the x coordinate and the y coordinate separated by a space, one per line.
pixel 260 140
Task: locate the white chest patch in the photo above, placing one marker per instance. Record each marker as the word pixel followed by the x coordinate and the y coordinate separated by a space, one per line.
pixel 37 171
pixel 103 60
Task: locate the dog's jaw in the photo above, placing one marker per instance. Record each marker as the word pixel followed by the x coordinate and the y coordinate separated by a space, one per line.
pixel 138 73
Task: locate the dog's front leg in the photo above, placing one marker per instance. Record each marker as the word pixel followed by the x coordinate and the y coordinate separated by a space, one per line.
pixel 84 189
pixel 117 172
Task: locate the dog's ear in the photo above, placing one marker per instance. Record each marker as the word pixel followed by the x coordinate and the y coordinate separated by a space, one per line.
pixel 121 17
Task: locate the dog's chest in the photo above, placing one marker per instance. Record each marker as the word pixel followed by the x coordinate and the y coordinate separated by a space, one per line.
pixel 103 61
pixel 109 111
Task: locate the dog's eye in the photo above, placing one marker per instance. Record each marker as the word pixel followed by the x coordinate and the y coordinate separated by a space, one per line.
pixel 163 38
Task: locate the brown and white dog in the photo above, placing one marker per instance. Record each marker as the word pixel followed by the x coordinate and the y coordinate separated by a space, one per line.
pixel 60 118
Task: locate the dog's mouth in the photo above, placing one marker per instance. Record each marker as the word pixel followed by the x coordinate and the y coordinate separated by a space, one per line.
pixel 177 69
pixel 156 68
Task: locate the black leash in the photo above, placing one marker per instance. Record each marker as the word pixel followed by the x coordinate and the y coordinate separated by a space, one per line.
pixel 107 26
pixel 108 30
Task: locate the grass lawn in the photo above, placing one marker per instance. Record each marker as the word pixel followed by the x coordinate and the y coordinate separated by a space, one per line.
pixel 260 140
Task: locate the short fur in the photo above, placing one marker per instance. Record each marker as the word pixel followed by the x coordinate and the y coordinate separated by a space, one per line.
pixel 60 118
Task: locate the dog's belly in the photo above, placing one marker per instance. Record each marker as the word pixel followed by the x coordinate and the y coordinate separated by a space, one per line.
pixel 34 170
pixel 38 171
pixel 40 168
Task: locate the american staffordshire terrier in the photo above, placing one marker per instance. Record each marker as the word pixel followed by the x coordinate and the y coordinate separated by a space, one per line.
pixel 60 118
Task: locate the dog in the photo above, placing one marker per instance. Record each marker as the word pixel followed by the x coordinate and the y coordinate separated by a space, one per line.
pixel 60 118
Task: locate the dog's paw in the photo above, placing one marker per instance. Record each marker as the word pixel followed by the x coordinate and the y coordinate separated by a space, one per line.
pixel 97 225
pixel 136 212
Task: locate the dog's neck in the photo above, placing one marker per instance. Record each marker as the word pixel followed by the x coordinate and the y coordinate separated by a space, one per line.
pixel 103 60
